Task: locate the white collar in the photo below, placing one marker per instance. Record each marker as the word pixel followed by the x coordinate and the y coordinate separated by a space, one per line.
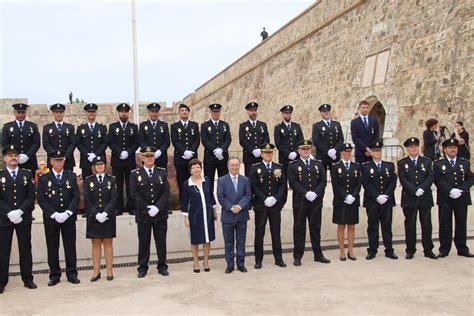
pixel 191 183
pixel 214 122
pixel 345 161
pixel 287 123
pixel 251 122
pixel 100 174
pixel 267 163
pixel 56 174
pixel 11 170
pixel 18 122
pixel 184 122
pixel 57 123
pixel 416 158
pixel 327 121
pixel 375 162
pixel 304 160
pixel 148 169
pixel 89 124
pixel 156 122
pixel 362 116
pixel 454 159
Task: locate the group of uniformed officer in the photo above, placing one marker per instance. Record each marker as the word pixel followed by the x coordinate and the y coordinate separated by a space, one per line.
pixel 147 187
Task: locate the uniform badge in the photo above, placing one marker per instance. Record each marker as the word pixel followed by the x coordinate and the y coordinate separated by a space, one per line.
pixel 98 134
pixel 443 167
pixel 246 128
pixel 117 130
pixel 4 180
pixel 11 129
pixel 423 167
pixel 277 173
pixel 161 129
pixel 109 185
pixel 53 192
pixel 209 129
pixel 261 130
pixel 161 180
pixel 324 128
pixel 67 131
pixel 282 131
pixel 146 127
pixel 67 184
pixel 371 170
pixel 91 185
pixel 259 170
pixel 49 183
pixel 339 170
pixel 83 131
pixel 355 173
pixel 179 130
pixel 50 130
pixel 299 168
pixel 139 179
pixel 25 181
pixel 406 166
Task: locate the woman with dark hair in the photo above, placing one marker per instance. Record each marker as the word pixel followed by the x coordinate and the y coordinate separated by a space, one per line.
pixel 463 137
pixel 197 206
pixel 430 139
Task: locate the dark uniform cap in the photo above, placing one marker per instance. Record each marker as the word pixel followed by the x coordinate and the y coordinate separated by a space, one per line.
pixel 123 107
pixel 450 142
pixel 346 146
pixel 182 105
pixel 305 144
pixel 98 159
pixel 378 144
pixel 251 105
pixel 57 107
pixel 57 154
pixel 20 106
pixel 148 151
pixel 324 107
pixel 267 148
pixel 92 107
pixel 286 108
pixel 153 106
pixel 11 149
pixel 215 107
pixel 411 141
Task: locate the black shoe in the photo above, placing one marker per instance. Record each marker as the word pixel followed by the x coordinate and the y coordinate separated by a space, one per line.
pixel 207 269
pixel 466 254
pixel 163 272
pixel 351 257
pixel 74 280
pixel 281 264
pixel 31 285
pixel 229 270
pixel 342 258
pixel 392 256
pixel 242 269
pixel 443 254
pixel 95 278
pixel 196 270
pixel 110 277
pixel 258 265
pixel 297 262
pixel 141 274
pixel 431 255
pixel 322 259
pixel 53 282
pixel 370 256
pixel 2 289
pixel 409 256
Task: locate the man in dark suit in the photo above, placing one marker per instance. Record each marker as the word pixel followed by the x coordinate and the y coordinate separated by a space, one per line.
pixel 186 139
pixel 155 133
pixel 17 198
pixel 252 133
pixel 216 139
pixel 364 131
pixel 123 142
pixel 234 196
pixel 269 190
pixel 453 179
pixel 150 191
pixel 287 134
pixel 91 139
pixel 58 135
pixel 416 176
pixel 327 137
pixel 58 196
pixel 379 180
pixel 307 178
pixel 23 134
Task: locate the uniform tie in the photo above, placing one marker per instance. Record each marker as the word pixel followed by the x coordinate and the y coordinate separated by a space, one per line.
pixel 347 165
pixel 379 166
pixel 185 125
pixel 100 179
pixel 254 125
pixel 452 162
pixel 328 123
pixel 365 122
pixel 14 175
pixel 124 126
pixel 269 168
pixel 307 164
pixel 91 127
pixel 58 176
pixel 216 124
pixel 414 162
pixel 150 172
pixel 288 125
pixel 153 124
pixel 21 124
pixel 59 126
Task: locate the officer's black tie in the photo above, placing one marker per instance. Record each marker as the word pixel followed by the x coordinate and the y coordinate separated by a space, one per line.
pixel 150 172
pixel 452 162
pixel 347 166
pixel 14 175
pixel 58 176
pixel 59 126
pixel 307 163
pixel 100 179
pixel 254 125
pixel 269 168
pixel 21 125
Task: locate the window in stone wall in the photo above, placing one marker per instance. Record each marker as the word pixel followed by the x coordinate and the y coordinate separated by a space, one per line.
pixel 375 69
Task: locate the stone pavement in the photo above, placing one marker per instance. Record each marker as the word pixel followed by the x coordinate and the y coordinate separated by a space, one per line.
pixel 419 286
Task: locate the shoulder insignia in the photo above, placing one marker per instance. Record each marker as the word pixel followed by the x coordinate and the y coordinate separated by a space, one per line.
pixel 257 163
pixel 160 168
pixel 462 158
pixel 365 162
pixel 293 161
pixel 91 176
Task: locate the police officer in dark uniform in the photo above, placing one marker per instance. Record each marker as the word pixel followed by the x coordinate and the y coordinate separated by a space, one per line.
pixel 327 136
pixel 252 133
pixel 155 133
pixel 186 139
pixel 91 139
pixel 269 190
pixel 216 139
pixel 150 191
pixel 453 178
pixel 287 134
pixel 307 178
pixel 416 176
pixel 58 196
pixel 123 142
pixel 17 201
pixel 58 135
pixel 23 134
pixel 379 180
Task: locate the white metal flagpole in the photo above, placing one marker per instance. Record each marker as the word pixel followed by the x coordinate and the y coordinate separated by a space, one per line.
pixel 136 104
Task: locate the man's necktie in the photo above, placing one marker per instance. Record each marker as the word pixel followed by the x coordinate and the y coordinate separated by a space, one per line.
pixel 307 164
pixel 414 162
pixel 91 127
pixel 234 180
pixel 254 125
pixel 21 125
pixel 452 162
pixel 14 175
pixel 150 172
pixel 58 176
pixel 100 179
pixel 347 165
pixel 185 125
pixel 153 124
pixel 379 166
pixel 366 123
pixel 289 126
pixel 216 124
pixel 269 168
pixel 59 126
pixel 328 123
pixel 124 126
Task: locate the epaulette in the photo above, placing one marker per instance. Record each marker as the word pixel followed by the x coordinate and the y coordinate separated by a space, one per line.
pixel 26 170
pixel 462 158
pixel 439 159
pixel 90 176
pixel 318 160
pixel 276 164
pixel 365 162
pixel 294 161
pixel 160 168
pixel 256 163
pixel 112 176
pixel 356 163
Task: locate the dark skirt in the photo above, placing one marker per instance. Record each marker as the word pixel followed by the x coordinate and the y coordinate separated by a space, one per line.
pixel 95 229
pixel 345 215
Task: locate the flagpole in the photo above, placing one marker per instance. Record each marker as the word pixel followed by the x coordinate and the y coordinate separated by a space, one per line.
pixel 136 109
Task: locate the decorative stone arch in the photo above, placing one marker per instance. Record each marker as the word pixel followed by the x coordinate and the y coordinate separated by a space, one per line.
pixel 378 112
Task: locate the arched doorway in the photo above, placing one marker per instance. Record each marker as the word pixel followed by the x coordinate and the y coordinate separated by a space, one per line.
pixel 377 111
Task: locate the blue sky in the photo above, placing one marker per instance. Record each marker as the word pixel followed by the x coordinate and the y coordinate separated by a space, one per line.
pixel 50 48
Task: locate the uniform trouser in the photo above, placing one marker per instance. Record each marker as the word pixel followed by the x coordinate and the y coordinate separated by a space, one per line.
pixel 410 229
pixel 379 214
pixel 446 228
pixel 86 171
pixel 23 234
pixel 234 235
pixel 122 175
pixel 274 217
pixel 31 165
pixel 67 231
pixel 182 174
pixel 300 214
pixel 210 172
pixel 159 229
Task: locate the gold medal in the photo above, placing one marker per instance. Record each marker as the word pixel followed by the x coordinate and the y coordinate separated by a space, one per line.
pixel 4 180
pixel 117 130
pixel 83 131
pixel 282 131
pixel 179 130
pixel 139 179
pixel 443 167
pixel 406 166
pixel 209 129
pixel 49 183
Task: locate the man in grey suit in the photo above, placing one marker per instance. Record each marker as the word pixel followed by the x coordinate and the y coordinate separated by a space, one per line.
pixel 234 195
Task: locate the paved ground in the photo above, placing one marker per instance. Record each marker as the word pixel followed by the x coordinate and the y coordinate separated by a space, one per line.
pixel 421 286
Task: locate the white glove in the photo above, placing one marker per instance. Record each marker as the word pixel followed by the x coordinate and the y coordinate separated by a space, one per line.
pixel 332 153
pixel 220 157
pixel 54 215
pixel 23 158
pixel 218 152
pixel 455 193
pixel 157 154
pixel 152 210
pixel 419 192
pixel 18 221
pixel 188 154
pixel 349 199
pixel 14 215
pixel 292 155
pixel 91 156
pixel 270 201
pixel 256 152
pixel 124 155
pixel 382 199
pixel 311 156
pixel 101 217
pixel 311 196
pixel 61 217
